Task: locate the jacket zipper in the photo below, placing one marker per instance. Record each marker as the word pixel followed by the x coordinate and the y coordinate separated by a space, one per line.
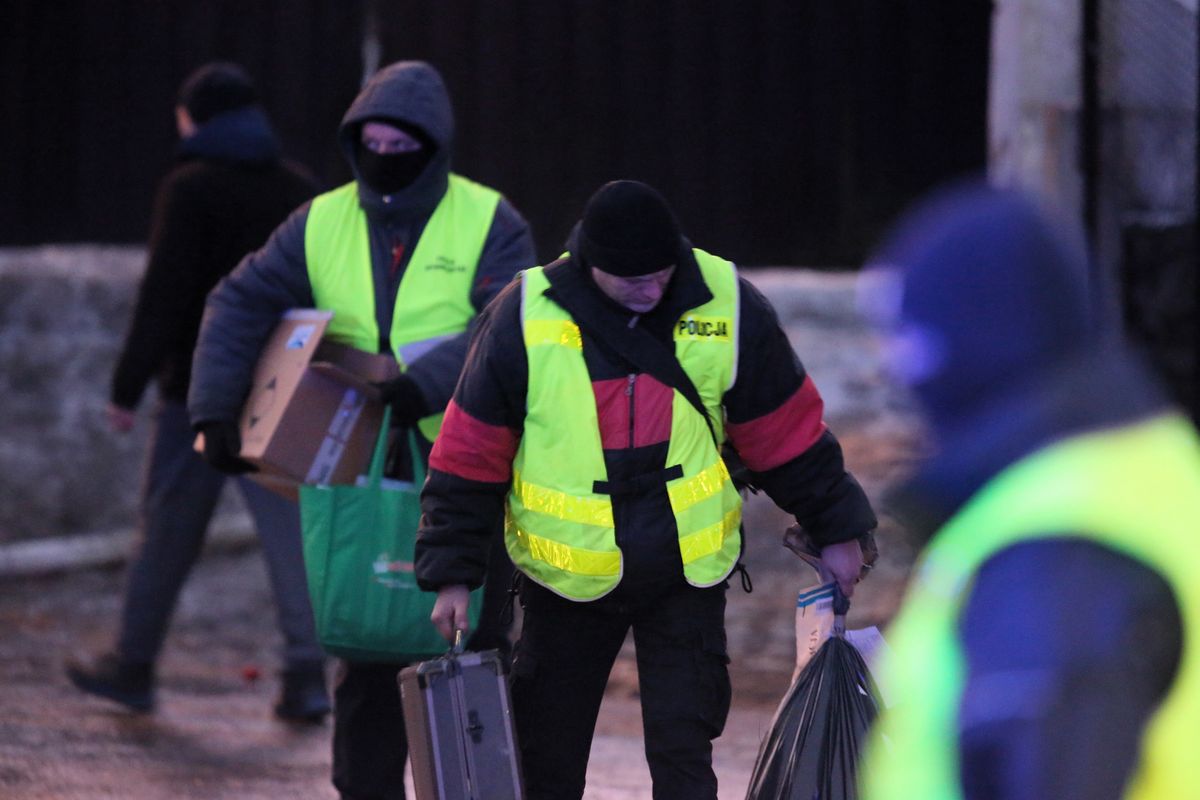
pixel 629 393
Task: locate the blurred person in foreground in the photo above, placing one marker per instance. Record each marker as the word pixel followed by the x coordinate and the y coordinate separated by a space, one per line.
pixel 1046 646
pixel 591 412
pixel 405 255
pixel 227 193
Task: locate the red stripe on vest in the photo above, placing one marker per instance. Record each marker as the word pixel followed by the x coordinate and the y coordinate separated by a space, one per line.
pixel 472 449
pixel 776 438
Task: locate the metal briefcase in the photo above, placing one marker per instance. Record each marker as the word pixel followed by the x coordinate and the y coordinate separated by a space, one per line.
pixel 461 739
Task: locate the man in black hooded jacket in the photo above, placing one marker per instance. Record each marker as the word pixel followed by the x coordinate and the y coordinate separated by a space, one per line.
pixel 405 255
pixel 228 191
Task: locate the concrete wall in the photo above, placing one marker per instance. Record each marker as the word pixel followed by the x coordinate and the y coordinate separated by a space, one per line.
pixel 1147 62
pixel 1143 242
pixel 1148 72
pixel 1035 98
pixel 63 311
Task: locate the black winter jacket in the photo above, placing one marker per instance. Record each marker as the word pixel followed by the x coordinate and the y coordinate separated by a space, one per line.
pixel 225 196
pixel 773 420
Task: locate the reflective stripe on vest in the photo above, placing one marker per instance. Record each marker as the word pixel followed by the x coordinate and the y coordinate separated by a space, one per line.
pixel 559 531
pixel 1135 490
pixel 433 302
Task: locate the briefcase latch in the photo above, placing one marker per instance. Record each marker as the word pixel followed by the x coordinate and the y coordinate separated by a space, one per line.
pixel 474 727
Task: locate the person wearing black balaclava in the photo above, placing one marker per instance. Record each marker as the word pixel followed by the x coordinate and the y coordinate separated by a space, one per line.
pixel 391 154
pixel 590 417
pixel 406 255
pixel 227 192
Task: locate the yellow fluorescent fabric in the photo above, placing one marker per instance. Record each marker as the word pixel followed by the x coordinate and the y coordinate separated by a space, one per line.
pixel 553 332
pixel 1134 489
pixel 433 302
pixel 686 492
pixel 560 505
pixel 570 559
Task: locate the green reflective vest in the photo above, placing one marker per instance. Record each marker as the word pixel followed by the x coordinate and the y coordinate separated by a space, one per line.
pixel 558 530
pixel 433 302
pixel 1135 490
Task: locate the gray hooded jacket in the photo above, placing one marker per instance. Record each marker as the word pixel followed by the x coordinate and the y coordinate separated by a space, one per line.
pixel 243 309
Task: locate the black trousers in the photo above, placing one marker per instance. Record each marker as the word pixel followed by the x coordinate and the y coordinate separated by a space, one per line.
pixel 369 742
pixel 561 667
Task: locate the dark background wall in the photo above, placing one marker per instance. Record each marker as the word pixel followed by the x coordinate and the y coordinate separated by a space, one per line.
pixel 87 90
pixel 785 132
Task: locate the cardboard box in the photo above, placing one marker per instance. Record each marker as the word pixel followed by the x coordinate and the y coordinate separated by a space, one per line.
pixel 312 415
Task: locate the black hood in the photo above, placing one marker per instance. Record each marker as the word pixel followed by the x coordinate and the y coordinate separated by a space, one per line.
pixel 411 92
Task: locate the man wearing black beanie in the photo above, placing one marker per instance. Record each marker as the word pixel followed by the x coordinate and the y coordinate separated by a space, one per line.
pixel 628 230
pixel 227 192
pixel 590 416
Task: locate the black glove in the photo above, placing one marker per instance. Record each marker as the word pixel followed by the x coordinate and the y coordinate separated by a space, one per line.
pixel 222 443
pixel 405 398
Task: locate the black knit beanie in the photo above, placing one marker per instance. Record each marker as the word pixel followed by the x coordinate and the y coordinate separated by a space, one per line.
pixel 628 230
pixel 215 88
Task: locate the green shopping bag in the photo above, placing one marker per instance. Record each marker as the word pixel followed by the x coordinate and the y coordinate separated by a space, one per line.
pixel 358 553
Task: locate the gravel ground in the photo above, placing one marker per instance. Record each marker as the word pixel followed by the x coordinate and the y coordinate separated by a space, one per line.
pixel 213 735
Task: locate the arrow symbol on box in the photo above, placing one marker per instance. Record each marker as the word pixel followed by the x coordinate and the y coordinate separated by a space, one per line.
pixel 266 400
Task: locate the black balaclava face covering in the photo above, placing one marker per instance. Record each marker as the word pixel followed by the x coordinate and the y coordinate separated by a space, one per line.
pixel 388 174
pixel 392 172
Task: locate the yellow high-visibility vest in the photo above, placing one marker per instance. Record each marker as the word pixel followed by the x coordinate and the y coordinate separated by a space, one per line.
pixel 433 302
pixel 558 530
pixel 1136 490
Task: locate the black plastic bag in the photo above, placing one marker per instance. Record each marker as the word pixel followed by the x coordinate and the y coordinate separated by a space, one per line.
pixel 812 749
